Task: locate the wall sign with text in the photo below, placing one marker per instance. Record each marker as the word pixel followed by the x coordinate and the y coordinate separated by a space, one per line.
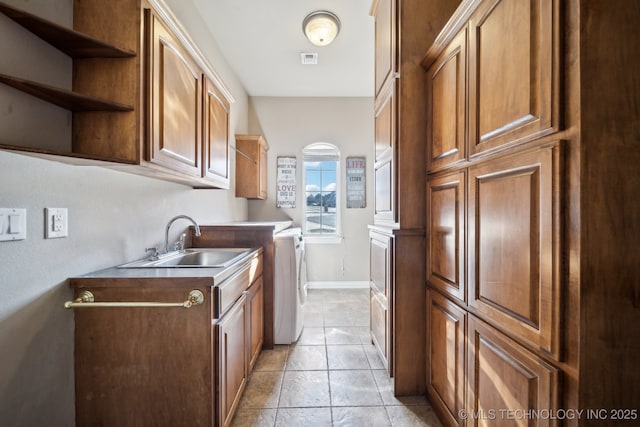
pixel 286 182
pixel 356 187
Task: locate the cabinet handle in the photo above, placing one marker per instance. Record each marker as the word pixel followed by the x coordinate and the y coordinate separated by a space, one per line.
pixel 87 300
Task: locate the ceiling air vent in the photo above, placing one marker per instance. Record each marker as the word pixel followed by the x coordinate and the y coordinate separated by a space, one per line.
pixel 309 58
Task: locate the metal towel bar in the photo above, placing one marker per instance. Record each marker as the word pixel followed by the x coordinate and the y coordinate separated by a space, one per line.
pixel 87 300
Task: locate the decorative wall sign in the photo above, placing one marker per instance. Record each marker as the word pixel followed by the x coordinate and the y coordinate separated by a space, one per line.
pixel 356 187
pixel 286 182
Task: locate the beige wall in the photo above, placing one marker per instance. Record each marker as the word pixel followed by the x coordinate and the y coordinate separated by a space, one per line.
pixel 289 124
pixel 113 216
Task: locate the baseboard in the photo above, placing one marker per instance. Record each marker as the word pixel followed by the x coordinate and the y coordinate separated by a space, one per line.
pixel 338 285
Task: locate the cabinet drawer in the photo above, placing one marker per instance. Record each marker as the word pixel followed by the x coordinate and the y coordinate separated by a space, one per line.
pixel 232 288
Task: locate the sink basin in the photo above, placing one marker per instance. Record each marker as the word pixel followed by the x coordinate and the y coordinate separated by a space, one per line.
pixel 196 257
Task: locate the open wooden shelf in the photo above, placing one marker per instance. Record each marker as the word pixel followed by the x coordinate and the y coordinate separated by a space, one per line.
pixel 63 98
pixel 73 43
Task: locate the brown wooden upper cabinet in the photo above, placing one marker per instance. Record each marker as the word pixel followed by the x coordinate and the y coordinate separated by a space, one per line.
pixel 446 88
pixel 147 103
pixel 385 41
pixel 513 81
pixel 251 166
pixel 175 83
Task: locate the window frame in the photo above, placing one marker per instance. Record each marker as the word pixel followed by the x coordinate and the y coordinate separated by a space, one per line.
pixel 322 150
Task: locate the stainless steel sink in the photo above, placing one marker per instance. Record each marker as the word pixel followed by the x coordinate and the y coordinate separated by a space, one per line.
pixel 195 257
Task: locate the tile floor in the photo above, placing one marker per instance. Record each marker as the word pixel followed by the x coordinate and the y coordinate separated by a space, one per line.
pixel 332 376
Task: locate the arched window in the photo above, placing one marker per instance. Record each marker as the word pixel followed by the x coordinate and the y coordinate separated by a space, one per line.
pixel 322 199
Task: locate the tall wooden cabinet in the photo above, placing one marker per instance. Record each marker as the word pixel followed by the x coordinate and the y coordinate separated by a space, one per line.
pixel 402 30
pixel 528 302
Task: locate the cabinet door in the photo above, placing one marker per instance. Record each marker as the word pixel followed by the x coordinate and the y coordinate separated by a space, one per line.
pixel 513 244
pixel 381 327
pixel 446 105
pixel 513 72
pixel 380 248
pixel 231 335
pixel 251 167
pixel 385 41
pixel 446 328
pixel 216 137
pixel 262 173
pixel 384 168
pixel 446 234
pixel 255 311
pixel 175 103
pixel 506 381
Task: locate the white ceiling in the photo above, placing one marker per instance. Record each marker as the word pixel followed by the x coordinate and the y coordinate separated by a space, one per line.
pixel 262 40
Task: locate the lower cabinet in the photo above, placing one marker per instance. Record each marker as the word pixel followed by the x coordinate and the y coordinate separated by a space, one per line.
pixel 380 247
pixel 476 375
pixel 231 344
pixel 166 365
pixel 507 384
pixel 255 311
pixel 446 328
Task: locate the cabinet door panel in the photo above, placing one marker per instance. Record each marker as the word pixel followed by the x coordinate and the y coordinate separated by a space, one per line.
pixel 255 303
pixel 503 376
pixel 446 105
pixel 216 137
pixel 380 262
pixel 231 333
pixel 175 104
pixel 446 328
pixel 380 326
pixel 513 49
pixel 513 244
pixel 385 36
pixel 446 234
pixel 384 167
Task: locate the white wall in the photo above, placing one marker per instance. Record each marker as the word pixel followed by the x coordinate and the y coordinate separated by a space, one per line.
pixel 113 216
pixel 288 125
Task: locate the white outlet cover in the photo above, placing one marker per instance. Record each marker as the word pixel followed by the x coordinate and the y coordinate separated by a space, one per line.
pixel 56 223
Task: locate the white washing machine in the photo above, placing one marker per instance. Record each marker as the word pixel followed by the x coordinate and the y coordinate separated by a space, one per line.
pixel 290 286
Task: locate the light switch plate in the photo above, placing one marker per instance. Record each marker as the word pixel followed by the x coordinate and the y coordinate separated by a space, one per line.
pixel 13 224
pixel 56 223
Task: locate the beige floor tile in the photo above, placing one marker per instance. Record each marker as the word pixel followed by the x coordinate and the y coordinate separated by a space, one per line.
pixel 347 357
pixel 373 356
pixel 254 418
pixel 342 335
pixel 413 416
pixel 313 319
pixel 272 360
pixel 304 389
pixel 360 417
pixel 338 319
pixel 303 417
pixel 353 388
pixel 307 358
pixel 311 336
pixel 385 386
pixel 263 390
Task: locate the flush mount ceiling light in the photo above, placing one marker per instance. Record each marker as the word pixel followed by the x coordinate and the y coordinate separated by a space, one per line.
pixel 321 27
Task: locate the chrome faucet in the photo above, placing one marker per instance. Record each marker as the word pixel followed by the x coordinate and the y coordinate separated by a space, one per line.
pixel 171 221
